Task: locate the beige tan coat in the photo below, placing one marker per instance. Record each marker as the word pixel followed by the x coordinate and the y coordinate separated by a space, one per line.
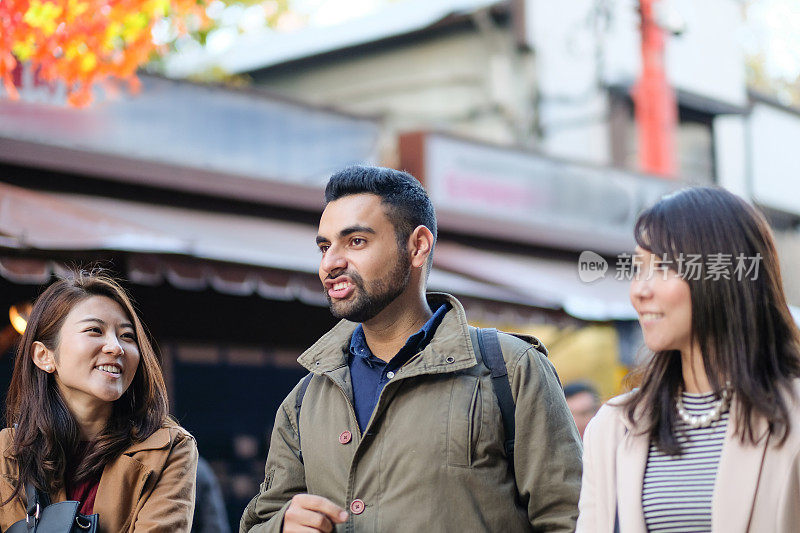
pixel 149 488
pixel 757 487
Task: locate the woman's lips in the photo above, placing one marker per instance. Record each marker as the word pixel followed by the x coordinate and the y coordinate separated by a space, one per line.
pixel 650 317
pixel 112 371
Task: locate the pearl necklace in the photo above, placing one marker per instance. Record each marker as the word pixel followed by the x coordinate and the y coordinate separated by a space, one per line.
pixel 706 419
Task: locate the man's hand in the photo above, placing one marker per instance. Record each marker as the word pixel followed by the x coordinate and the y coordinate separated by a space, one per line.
pixel 307 513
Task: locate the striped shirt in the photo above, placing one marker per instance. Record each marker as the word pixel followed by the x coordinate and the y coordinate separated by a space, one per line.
pixel 677 490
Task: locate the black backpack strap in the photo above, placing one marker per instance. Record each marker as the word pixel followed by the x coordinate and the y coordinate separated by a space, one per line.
pixel 489 351
pixel 32 495
pixel 37 501
pixel 298 403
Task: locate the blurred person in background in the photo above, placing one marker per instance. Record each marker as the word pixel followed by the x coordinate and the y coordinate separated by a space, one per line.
pixel 209 507
pixel 583 402
pixel 399 423
pixel 710 441
pixel 88 407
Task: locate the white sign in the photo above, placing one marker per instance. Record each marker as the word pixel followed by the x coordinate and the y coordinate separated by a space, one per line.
pixel 590 203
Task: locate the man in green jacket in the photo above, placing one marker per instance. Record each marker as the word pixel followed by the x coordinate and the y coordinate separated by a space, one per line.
pixel 399 429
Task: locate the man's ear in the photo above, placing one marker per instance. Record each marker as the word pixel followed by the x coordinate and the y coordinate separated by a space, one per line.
pixel 43 357
pixel 421 245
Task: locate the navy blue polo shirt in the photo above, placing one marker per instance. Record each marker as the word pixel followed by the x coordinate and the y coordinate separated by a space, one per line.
pixel 370 374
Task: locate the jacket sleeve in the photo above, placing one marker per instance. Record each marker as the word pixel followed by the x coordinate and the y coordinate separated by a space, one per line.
pixel 547 452
pixel 284 475
pixel 170 505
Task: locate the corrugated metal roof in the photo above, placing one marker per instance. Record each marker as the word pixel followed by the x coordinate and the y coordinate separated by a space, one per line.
pixel 268 48
pixel 188 136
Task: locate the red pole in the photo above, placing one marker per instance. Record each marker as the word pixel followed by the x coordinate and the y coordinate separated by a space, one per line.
pixel 654 100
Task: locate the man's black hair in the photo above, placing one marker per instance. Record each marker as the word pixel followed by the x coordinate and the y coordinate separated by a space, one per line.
pixel 578 387
pixel 408 205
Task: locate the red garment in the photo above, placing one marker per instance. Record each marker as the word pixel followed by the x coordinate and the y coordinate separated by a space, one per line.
pixel 85 493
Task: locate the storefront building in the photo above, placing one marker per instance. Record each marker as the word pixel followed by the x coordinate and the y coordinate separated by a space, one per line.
pixel 206 201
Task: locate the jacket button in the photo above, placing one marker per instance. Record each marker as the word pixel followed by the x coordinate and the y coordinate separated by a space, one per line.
pixel 357 507
pixel 345 437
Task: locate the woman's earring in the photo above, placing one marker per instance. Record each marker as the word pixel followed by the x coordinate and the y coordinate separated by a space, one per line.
pixel 48 368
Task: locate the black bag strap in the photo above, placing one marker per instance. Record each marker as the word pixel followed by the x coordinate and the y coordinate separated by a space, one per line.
pixel 37 501
pixel 298 403
pixel 489 351
pixel 31 494
pixel 34 508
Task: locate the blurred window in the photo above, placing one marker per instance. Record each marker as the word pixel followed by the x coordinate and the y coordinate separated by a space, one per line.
pixel 694 140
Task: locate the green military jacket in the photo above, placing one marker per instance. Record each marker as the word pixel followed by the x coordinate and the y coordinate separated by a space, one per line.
pixel 431 457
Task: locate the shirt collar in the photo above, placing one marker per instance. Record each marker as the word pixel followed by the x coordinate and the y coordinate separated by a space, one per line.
pixel 359 348
pixel 416 342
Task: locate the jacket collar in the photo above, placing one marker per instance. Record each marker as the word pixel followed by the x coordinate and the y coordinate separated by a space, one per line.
pixel 123 481
pixel 631 460
pixel 448 351
pixel 8 445
pixel 158 440
pixel 737 476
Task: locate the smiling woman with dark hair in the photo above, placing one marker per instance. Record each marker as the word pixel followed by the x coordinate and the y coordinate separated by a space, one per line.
pixel 88 405
pixel 710 441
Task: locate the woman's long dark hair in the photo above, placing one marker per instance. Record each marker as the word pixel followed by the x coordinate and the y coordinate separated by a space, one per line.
pixel 743 327
pixel 47 435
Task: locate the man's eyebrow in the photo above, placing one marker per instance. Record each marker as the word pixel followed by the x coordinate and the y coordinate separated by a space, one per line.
pixel 355 229
pixel 347 231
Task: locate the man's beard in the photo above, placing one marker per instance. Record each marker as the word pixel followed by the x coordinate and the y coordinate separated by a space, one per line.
pixel 382 292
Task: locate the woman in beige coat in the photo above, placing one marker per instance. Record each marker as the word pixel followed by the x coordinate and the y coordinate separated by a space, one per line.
pixel 87 410
pixel 710 440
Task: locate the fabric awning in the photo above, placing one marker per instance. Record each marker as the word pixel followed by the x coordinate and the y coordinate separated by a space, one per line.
pixel 35 220
pixel 273 258
pixel 544 282
pixel 238 255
